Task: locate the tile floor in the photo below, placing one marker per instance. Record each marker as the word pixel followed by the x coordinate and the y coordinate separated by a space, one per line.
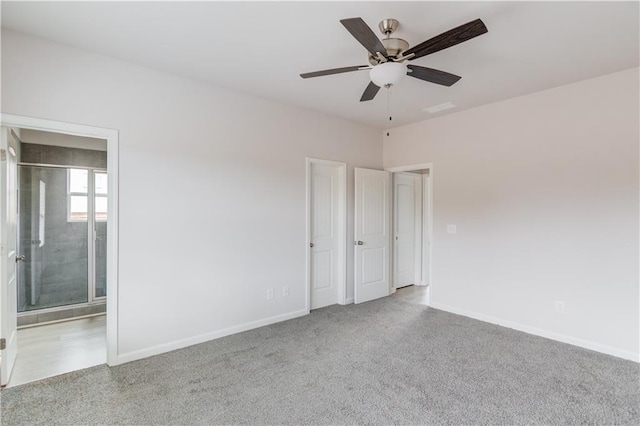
pixel 413 293
pixel 48 350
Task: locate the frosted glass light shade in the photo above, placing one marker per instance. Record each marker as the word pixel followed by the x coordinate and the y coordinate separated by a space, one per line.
pixel 387 73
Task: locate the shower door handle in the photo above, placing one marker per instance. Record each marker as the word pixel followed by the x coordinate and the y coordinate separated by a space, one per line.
pixel 21 258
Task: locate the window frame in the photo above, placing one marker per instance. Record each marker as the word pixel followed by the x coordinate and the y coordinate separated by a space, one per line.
pixel 76 194
pixel 96 195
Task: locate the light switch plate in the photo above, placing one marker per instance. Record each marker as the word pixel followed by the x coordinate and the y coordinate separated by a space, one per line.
pixel 451 229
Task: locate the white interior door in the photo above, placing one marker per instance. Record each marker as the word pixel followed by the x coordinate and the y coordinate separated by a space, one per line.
pixel 8 283
pixel 372 234
pixel 407 217
pixel 325 227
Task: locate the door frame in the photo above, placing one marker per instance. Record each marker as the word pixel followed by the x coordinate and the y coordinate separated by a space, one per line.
pixel 342 233
pixel 427 228
pixel 112 138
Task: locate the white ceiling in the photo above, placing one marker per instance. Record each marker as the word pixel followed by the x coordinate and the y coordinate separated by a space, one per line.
pixel 260 48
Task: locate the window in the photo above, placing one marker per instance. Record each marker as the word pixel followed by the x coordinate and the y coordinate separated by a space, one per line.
pixel 100 184
pixel 78 195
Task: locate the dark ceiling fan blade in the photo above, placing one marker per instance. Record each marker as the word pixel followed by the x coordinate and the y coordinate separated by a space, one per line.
pixel 447 39
pixel 370 92
pixel 365 35
pixel 433 76
pixel 333 71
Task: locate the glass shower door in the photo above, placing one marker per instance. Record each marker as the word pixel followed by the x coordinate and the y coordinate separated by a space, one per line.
pixel 53 236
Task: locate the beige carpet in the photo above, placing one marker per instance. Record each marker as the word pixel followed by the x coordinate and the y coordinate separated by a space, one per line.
pixel 383 362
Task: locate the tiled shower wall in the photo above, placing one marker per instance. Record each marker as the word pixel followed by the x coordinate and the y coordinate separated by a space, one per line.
pixel 45 154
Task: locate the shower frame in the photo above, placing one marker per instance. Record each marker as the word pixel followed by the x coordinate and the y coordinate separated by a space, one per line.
pixel 91 239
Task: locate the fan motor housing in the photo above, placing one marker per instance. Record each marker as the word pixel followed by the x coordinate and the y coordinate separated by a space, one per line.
pixel 394 46
pixel 388 26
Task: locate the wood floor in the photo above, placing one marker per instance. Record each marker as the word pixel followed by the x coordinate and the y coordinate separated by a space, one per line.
pixel 414 294
pixel 48 350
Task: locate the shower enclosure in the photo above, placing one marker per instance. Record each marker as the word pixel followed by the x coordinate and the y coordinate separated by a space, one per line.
pixel 62 213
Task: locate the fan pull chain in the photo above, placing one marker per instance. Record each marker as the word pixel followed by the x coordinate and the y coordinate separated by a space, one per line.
pixel 389 103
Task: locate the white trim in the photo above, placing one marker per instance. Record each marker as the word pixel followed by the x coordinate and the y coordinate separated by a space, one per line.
pixel 427 228
pixel 307 238
pixel 587 344
pixel 411 168
pixel 419 230
pixel 201 338
pixel 342 285
pixel 348 301
pixel 111 137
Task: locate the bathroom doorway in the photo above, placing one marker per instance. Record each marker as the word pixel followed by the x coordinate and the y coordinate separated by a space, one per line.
pixel 61 254
pixel 64 256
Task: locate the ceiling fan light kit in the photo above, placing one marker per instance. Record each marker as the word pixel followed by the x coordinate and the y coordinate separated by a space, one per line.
pixel 387 56
pixel 387 74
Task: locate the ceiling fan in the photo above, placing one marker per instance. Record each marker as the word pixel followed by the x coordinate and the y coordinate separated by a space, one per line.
pixel 387 56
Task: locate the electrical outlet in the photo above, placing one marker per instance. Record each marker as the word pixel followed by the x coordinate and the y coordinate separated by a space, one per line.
pixel 285 291
pixel 269 293
pixel 451 229
pixel 559 307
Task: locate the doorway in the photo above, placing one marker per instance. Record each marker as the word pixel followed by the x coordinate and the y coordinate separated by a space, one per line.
pixel 412 228
pixel 326 225
pixel 66 249
pixel 407 229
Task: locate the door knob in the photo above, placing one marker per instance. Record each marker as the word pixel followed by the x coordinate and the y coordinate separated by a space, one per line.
pixel 310 244
pixel 358 243
pixel 21 258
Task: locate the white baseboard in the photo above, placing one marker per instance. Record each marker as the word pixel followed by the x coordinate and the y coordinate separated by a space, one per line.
pixel 587 344
pixel 201 338
pixel 348 301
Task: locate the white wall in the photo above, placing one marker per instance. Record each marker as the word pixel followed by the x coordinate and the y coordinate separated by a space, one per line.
pixel 544 192
pixel 212 187
pixel 543 189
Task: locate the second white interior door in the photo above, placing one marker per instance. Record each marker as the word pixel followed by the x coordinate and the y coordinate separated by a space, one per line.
pixel 407 229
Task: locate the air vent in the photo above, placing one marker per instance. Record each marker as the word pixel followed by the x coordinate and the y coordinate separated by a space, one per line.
pixel 441 107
